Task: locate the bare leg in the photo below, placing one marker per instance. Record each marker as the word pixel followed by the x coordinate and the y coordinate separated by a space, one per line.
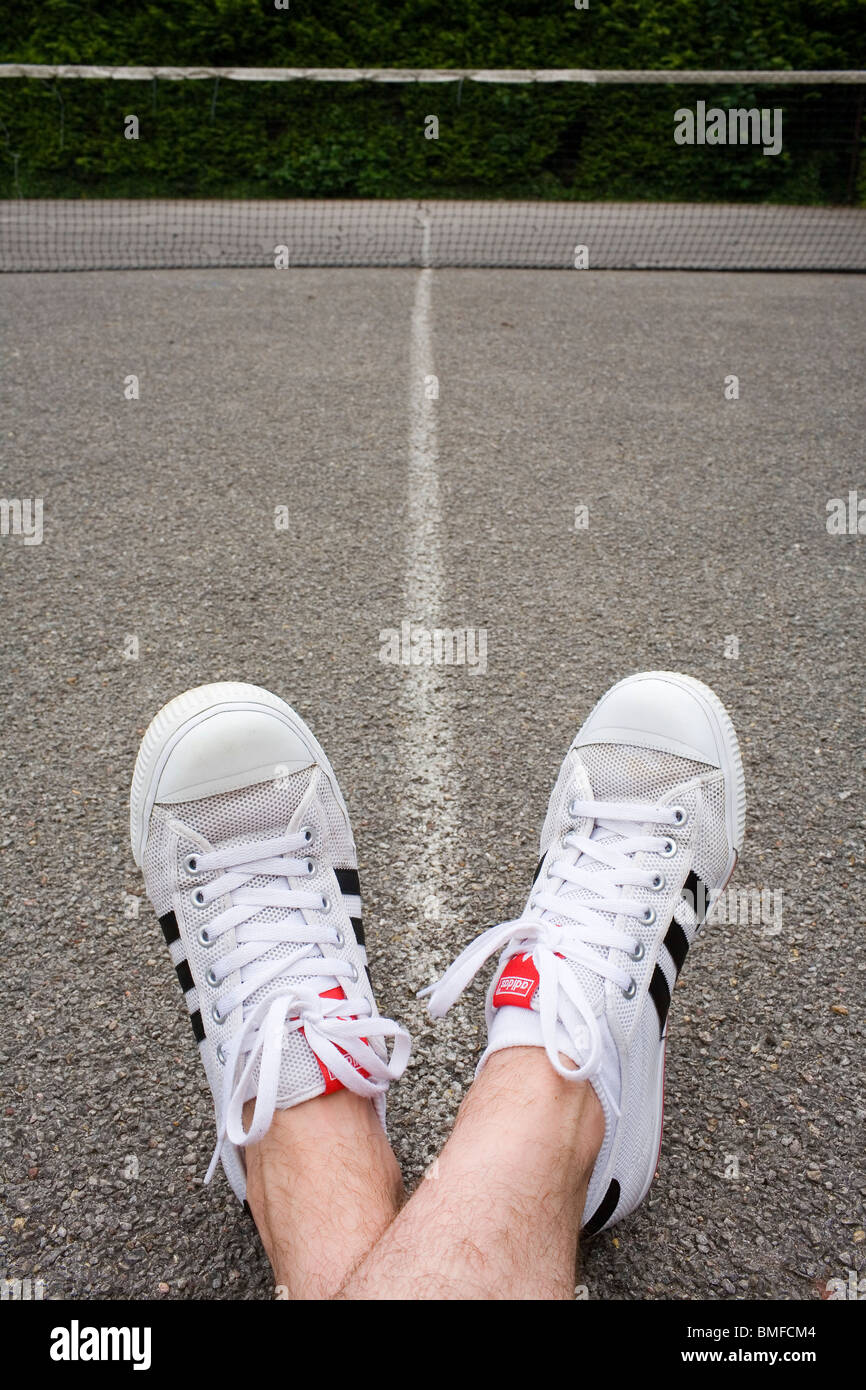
pixel 323 1186
pixel 500 1218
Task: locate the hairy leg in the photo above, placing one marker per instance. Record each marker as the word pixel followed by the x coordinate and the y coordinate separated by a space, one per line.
pixel 498 1217
pixel 323 1186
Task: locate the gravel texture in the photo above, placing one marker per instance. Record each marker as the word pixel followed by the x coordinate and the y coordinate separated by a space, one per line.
pixel 707 521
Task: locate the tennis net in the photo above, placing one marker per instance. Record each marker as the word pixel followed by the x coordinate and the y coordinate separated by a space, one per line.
pixel 110 168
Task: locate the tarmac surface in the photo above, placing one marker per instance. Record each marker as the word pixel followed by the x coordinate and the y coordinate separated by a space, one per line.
pixel 704 548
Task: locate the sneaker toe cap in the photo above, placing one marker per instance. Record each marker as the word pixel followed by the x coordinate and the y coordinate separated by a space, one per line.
pixel 659 711
pixel 230 749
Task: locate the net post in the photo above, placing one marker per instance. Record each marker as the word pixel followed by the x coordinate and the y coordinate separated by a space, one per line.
pixel 854 168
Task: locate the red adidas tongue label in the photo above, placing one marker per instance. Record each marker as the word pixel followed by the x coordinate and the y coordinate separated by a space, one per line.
pixel 332 1084
pixel 517 983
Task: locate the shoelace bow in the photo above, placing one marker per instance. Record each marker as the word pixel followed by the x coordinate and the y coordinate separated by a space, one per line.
pixel 337 1030
pixel 551 945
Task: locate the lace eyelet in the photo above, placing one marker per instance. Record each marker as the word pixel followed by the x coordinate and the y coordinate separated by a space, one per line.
pixel 204 937
pixel 198 898
pixel 190 864
pixel 216 1015
pixel 639 952
pixel 221 1055
pixel 631 991
pixel 680 815
pixel 308 833
pixel 648 916
pixel 211 978
pixel 670 849
pixel 326 904
pixel 341 940
pixel 571 809
pixel 354 975
pixel 311 868
pixel 658 883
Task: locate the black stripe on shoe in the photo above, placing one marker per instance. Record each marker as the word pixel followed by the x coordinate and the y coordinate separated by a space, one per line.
pixel 349 882
pixel 661 996
pixel 184 974
pixel 358 929
pixel 538 868
pixel 197 1026
pixel 678 945
pixel 697 895
pixel 605 1211
pixel 170 929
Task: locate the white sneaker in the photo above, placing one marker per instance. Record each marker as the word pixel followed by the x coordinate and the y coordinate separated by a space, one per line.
pixel 642 833
pixel 239 826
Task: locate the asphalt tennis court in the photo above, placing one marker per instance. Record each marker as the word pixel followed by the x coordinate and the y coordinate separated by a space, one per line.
pixel 434 436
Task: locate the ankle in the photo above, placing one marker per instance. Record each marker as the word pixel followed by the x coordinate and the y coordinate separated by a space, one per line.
pixel 323 1168
pixel 341 1125
pixel 520 1094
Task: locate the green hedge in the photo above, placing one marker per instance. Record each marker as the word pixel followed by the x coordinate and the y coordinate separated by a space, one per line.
pixel 441 33
pixel 66 139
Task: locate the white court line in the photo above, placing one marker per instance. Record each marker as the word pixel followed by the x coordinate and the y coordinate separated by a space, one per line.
pixel 428 754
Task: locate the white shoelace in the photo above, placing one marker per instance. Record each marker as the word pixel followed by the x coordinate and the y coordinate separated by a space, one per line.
pixel 336 1029
pixel 551 945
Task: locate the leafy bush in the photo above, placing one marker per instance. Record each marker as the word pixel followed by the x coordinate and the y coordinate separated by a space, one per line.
pixel 208 139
